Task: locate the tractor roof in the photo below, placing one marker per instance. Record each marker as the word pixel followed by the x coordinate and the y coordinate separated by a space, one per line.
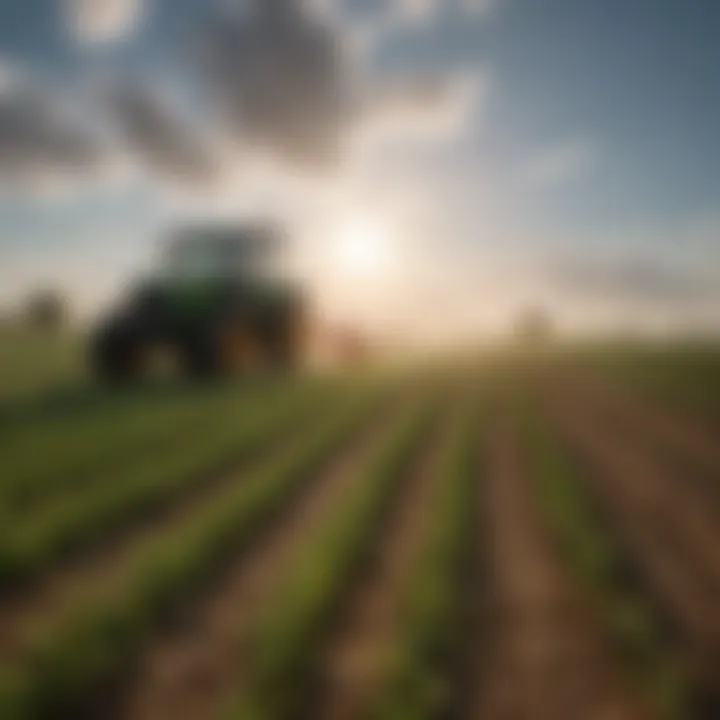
pixel 256 238
pixel 222 249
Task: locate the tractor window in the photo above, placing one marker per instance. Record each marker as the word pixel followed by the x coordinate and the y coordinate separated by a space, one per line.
pixel 205 259
pixel 192 260
pixel 222 253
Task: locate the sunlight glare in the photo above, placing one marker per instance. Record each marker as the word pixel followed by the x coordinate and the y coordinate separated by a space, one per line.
pixel 364 251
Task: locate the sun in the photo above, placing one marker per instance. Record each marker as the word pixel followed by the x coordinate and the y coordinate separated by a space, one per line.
pixel 365 251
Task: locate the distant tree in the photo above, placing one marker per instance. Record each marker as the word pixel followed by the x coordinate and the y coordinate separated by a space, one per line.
pixel 534 325
pixel 47 310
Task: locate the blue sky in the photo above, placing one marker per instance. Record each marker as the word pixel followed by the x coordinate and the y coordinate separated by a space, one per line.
pixel 564 140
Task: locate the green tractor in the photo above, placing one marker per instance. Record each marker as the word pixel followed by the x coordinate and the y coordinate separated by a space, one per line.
pixel 219 306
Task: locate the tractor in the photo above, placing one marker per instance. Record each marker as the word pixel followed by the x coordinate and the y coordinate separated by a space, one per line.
pixel 219 305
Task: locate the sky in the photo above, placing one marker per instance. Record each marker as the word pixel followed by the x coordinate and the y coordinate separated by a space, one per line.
pixel 453 159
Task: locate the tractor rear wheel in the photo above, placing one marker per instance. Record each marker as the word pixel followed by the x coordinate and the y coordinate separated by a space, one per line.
pixel 117 355
pixel 228 350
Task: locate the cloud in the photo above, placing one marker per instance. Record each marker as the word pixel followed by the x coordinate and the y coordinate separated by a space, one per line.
pixel 399 15
pixel 559 164
pixel 278 78
pixel 423 109
pixel 152 130
pixel 283 80
pixel 40 139
pixel 53 141
pixel 277 84
pixel 421 12
pixel 324 9
pixel 101 21
pixel 634 280
pixel 417 10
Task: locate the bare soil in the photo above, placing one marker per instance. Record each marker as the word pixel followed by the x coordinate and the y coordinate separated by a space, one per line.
pixel 697 442
pixel 663 519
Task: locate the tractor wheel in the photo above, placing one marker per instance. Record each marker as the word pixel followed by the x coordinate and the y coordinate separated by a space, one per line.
pixel 229 350
pixel 288 348
pixel 117 356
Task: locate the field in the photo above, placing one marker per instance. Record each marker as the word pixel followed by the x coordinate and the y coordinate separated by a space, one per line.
pixel 521 535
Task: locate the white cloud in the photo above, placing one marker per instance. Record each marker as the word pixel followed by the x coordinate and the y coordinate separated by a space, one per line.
pixel 325 9
pixel 425 11
pixel 421 111
pixel 391 18
pixel 417 10
pixel 101 21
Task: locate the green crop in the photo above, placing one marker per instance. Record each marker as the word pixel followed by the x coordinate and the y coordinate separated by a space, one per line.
pixel 65 670
pixel 288 635
pixel 420 674
pixel 125 496
pixel 74 458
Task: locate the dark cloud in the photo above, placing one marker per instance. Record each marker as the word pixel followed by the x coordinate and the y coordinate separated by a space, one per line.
pixel 278 79
pixel 274 77
pixel 39 139
pixel 153 131
pixel 634 280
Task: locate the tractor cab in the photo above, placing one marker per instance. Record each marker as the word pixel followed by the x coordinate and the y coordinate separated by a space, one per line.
pixel 220 302
pixel 252 253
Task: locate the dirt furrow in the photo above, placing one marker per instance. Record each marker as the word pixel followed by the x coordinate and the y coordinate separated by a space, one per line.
pixel 668 429
pixel 660 497
pixel 670 531
pixel 546 656
pixel 189 671
pixel 351 668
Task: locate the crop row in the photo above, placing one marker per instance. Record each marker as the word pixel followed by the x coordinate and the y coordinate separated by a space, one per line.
pixel 682 376
pixel 421 678
pixel 33 544
pixel 41 465
pixel 601 566
pixel 288 636
pixel 95 645
pixel 72 412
